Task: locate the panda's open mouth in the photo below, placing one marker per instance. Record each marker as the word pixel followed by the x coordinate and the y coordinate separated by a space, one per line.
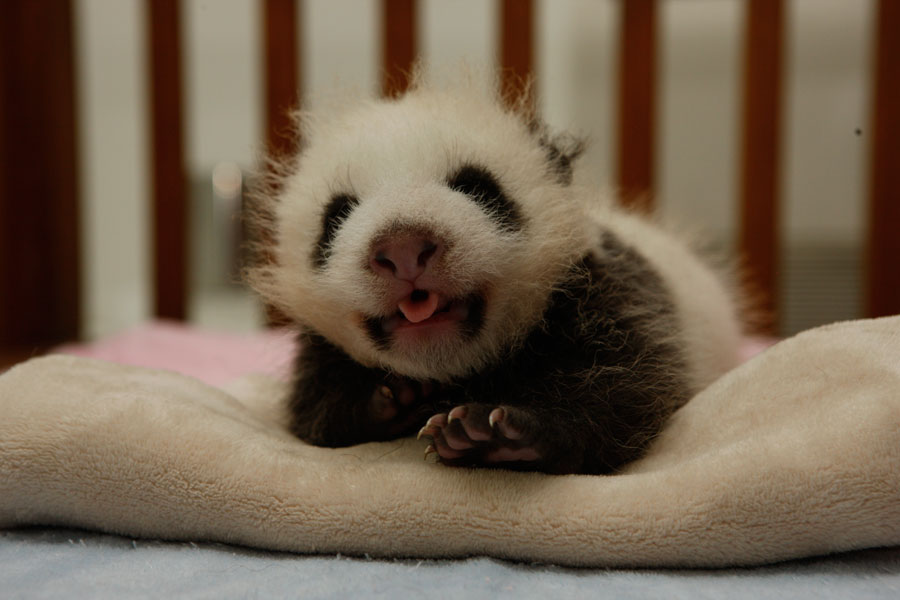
pixel 424 311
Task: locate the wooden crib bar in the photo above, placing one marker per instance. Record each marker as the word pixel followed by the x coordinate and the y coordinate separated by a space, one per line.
pixel 40 270
pixel 399 45
pixel 169 183
pixel 883 240
pixel 282 73
pixel 516 56
pixel 636 122
pixel 758 233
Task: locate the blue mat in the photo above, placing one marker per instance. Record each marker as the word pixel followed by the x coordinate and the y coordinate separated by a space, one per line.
pixel 63 563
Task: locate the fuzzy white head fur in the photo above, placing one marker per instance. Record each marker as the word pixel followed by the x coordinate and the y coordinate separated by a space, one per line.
pixel 395 158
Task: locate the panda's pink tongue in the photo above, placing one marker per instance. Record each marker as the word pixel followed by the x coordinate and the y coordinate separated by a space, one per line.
pixel 418 311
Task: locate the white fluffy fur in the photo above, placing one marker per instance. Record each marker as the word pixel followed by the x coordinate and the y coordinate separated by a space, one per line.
pixel 710 328
pixel 395 156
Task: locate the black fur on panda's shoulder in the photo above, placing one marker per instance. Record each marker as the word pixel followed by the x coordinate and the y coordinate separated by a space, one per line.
pixel 599 373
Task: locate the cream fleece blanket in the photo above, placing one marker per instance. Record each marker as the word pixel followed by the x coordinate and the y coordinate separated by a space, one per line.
pixel 795 453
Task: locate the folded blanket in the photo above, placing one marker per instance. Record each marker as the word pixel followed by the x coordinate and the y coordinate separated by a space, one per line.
pixel 795 453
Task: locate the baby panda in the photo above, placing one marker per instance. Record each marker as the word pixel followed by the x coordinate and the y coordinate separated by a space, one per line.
pixel 450 279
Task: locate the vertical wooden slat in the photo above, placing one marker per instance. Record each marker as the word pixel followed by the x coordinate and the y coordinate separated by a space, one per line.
pixel 282 85
pixel 759 226
pixel 281 74
pixel 39 216
pixel 516 48
pixel 398 45
pixel 636 133
pixel 883 251
pixel 170 216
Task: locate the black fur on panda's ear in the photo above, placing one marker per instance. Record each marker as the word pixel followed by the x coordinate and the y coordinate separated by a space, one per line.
pixel 561 150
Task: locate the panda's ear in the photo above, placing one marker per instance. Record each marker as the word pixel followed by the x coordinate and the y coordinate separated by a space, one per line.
pixel 561 151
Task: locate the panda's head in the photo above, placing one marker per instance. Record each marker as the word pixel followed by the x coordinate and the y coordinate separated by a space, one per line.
pixel 425 234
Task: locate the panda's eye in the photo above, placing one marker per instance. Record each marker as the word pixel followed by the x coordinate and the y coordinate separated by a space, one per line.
pixel 478 184
pixel 336 211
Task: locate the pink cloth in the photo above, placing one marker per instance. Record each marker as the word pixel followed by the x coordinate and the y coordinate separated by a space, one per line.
pixel 213 357
pixel 218 358
pixel 754 345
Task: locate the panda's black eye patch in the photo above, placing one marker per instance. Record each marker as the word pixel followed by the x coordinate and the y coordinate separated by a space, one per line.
pixel 336 211
pixel 483 188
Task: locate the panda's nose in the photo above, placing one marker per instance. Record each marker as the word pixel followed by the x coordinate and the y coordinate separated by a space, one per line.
pixel 405 256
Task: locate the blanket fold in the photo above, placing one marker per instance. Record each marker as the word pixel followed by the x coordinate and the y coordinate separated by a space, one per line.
pixel 794 453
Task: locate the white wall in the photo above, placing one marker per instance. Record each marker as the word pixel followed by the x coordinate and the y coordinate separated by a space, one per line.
pixel 826 100
pixel 222 82
pixel 340 47
pixel 700 112
pixel 114 153
pixel 576 70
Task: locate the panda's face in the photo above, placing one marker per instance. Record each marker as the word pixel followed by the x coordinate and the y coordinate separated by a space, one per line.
pixel 423 235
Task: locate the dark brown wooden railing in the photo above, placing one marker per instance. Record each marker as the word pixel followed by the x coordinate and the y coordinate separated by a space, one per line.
pixel 399 45
pixel 282 74
pixel 169 183
pixel 883 247
pixel 40 267
pixel 516 47
pixel 636 122
pixel 758 237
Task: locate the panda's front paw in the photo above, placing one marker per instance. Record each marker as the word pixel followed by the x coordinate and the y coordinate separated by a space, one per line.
pixel 395 404
pixel 487 435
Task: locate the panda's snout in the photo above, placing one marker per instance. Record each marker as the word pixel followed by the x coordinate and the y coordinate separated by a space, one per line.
pixel 405 256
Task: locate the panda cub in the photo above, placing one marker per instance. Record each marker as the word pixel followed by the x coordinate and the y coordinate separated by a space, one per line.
pixel 449 279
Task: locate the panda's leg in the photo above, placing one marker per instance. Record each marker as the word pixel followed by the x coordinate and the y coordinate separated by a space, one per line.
pixel 338 402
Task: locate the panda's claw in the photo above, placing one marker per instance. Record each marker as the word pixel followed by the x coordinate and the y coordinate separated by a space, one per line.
pixel 428 451
pixel 495 417
pixel 457 413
